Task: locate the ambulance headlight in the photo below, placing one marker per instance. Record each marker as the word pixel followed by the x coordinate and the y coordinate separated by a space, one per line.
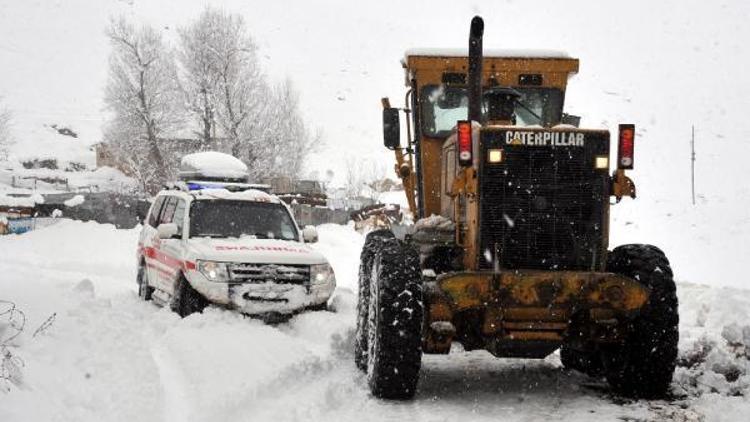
pixel 213 271
pixel 322 274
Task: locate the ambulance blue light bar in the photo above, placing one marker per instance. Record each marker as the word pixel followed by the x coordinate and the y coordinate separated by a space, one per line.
pixel 199 186
pixel 195 185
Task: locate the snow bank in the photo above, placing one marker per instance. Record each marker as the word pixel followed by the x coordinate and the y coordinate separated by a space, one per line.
pixel 714 359
pixel 78 247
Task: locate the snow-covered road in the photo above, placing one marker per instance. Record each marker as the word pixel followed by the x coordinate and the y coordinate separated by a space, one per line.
pixel 108 356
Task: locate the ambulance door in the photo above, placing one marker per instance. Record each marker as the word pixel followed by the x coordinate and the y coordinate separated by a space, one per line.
pixel 150 240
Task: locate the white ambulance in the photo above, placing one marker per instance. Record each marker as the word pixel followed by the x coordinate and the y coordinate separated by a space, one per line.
pixel 214 239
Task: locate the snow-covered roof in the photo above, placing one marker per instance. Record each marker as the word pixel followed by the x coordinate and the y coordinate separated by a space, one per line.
pixel 21 201
pixel 212 164
pixel 495 53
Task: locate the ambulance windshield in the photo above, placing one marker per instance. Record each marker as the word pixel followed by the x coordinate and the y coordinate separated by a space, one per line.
pixel 222 218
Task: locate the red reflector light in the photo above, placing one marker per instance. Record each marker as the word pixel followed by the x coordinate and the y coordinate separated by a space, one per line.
pixel 464 143
pixel 625 147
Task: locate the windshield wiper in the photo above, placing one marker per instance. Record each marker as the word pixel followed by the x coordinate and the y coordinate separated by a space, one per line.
pixel 210 235
pixel 257 235
pixel 525 107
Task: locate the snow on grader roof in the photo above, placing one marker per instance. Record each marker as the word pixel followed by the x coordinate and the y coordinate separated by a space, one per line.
pixel 489 53
pixel 213 166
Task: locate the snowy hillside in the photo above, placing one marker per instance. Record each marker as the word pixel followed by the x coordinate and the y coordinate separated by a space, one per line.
pixel 52 158
pixel 105 355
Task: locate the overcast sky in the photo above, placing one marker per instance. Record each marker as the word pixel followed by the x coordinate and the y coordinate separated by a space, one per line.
pixel 662 67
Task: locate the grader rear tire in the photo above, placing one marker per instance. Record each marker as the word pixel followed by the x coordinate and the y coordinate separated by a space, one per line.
pixel 642 367
pixel 395 322
pixel 585 362
pixel 373 243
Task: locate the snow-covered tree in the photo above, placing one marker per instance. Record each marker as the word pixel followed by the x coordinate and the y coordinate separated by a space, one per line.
pixel 285 137
pixel 143 97
pixel 222 80
pixel 215 53
pixel 214 81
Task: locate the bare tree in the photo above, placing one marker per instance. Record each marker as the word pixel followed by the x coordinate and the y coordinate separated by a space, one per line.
pixel 142 94
pixel 5 129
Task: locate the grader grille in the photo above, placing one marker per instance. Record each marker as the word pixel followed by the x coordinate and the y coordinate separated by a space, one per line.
pixel 543 207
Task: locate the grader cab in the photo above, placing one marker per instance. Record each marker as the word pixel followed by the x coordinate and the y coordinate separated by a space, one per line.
pixel 509 252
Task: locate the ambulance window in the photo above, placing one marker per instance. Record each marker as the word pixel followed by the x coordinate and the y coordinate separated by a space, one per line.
pixel 168 211
pixel 153 218
pixel 179 215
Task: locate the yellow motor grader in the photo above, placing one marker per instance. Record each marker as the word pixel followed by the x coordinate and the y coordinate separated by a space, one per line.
pixel 509 252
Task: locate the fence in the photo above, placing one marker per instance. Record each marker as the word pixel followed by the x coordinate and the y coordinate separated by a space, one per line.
pixel 307 215
pixel 32 182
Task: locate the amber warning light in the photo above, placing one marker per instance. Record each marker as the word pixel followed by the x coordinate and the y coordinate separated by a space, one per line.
pixel 464 143
pixel 625 147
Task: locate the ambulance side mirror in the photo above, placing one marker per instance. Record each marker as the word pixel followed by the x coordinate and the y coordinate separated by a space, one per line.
pixel 309 234
pixel 167 230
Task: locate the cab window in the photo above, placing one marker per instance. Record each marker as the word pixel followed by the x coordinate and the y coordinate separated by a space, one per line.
pixel 168 212
pixel 179 215
pixel 153 218
pixel 443 105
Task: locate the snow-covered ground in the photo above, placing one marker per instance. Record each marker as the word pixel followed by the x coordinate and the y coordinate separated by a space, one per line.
pixel 91 351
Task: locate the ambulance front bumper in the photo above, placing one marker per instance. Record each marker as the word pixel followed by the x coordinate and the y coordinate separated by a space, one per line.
pixel 255 298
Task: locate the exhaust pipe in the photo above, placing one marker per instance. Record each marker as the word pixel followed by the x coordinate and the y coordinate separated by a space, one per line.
pixel 475 68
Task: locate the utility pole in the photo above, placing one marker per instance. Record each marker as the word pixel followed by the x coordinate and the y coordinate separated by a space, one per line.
pixel 692 161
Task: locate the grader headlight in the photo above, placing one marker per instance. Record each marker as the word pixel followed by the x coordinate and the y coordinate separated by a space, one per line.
pixel 495 156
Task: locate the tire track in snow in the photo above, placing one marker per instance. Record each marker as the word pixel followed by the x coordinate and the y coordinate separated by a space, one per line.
pixel 176 403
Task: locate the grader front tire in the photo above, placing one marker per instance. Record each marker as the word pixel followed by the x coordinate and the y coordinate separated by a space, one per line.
pixel 643 366
pixel 373 243
pixel 395 322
